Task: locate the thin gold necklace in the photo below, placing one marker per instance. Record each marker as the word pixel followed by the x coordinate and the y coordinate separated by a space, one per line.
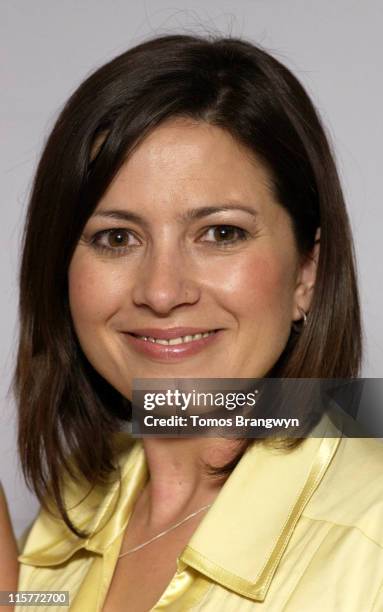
pixel 159 535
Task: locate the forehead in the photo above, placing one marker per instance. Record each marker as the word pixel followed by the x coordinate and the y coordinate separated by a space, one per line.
pixel 184 162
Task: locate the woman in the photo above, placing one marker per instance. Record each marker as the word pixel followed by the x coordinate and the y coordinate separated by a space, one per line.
pixel 8 550
pixel 173 232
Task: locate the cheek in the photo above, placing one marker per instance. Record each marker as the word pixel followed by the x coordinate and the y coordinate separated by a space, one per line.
pixel 94 292
pixel 262 284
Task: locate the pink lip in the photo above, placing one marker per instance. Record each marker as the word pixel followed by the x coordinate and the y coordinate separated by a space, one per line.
pixel 175 352
pixel 168 334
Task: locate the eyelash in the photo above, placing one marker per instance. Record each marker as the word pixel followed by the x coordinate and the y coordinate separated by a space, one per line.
pixel 115 251
pixel 108 250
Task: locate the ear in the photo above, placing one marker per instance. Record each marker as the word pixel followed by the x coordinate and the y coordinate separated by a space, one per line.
pixel 306 280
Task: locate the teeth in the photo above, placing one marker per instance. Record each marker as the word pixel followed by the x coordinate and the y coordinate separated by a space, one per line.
pixel 179 340
pixel 175 341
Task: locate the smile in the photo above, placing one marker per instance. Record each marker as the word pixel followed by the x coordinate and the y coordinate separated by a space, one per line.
pixel 178 340
pixel 172 345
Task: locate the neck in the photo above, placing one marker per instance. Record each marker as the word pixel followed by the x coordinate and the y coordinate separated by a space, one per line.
pixel 178 479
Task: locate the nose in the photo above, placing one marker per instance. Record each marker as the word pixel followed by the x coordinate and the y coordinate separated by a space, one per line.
pixel 165 280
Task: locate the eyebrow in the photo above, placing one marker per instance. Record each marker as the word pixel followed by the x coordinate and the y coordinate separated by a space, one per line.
pixel 189 215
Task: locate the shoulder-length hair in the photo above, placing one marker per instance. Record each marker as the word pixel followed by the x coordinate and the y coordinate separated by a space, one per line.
pixel 66 409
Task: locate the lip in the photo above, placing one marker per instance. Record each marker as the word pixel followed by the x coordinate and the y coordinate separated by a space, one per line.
pixel 160 352
pixel 168 334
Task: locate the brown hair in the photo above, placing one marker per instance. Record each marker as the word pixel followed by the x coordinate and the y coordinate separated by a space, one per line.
pixel 66 409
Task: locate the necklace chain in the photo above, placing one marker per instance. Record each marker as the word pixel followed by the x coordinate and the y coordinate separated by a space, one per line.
pixel 159 535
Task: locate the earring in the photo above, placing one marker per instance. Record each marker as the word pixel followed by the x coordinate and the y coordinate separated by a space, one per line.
pixel 298 328
pixel 304 316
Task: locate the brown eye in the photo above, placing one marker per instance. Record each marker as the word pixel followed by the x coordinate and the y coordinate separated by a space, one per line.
pixel 117 238
pixel 114 241
pixel 225 234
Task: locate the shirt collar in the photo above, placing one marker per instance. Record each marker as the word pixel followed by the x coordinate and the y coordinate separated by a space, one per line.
pixel 104 512
pixel 242 537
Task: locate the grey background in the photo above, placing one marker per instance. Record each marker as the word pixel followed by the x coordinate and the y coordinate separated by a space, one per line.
pixel 48 47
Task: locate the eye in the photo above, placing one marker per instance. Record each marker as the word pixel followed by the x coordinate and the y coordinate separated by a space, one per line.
pixel 114 241
pixel 225 234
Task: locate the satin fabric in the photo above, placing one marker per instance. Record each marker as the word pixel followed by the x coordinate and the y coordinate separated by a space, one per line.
pixel 290 531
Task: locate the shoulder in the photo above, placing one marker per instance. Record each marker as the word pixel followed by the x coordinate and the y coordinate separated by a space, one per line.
pixel 89 508
pixel 351 492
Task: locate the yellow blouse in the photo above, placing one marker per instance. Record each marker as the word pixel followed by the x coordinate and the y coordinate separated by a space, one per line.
pixel 290 531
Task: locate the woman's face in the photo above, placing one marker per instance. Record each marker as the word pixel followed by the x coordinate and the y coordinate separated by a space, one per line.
pixel 188 239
